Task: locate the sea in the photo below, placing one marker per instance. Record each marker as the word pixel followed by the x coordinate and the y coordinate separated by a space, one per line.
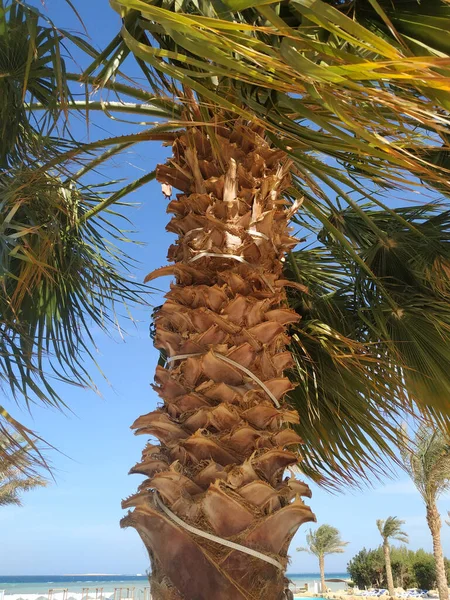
pixel 122 586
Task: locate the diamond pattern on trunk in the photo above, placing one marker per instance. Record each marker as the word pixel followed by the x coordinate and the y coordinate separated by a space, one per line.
pixel 224 444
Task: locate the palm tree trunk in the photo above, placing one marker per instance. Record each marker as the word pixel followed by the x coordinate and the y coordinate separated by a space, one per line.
pixel 323 586
pixel 387 560
pixel 434 523
pixel 223 427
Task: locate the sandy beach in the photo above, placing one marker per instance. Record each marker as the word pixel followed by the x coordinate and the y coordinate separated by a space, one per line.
pixel 349 594
pixel 143 593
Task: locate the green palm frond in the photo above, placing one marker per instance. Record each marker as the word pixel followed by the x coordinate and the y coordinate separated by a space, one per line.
pixel 369 348
pixel 427 460
pixel 402 292
pixel 18 466
pixel 340 90
pixel 325 540
pixel 63 266
pixel 391 528
pixel 420 26
pixel 17 437
pixel 347 395
pixel 31 70
pixel 60 275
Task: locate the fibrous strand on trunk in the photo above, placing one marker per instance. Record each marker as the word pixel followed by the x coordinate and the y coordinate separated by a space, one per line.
pixel 223 427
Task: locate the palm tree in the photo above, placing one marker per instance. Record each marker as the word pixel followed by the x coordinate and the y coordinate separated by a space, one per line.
pixel 16 462
pixel 427 460
pixel 325 540
pixel 279 107
pixel 448 522
pixel 391 528
pixel 303 113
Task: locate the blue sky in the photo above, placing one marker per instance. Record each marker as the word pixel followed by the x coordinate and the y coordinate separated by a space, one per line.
pixel 72 526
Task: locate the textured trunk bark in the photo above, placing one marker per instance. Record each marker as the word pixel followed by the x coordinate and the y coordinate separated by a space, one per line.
pixel 434 523
pixel 223 428
pixel 322 574
pixel 387 560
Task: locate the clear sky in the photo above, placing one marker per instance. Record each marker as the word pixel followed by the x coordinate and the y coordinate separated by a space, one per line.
pixel 72 526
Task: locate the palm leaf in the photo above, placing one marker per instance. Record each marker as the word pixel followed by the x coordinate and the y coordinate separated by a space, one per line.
pixel 391 528
pixel 426 457
pixel 63 266
pixel 354 86
pixel 411 267
pixel 360 363
pixel 60 275
pixel 19 463
pixel 346 407
pixel 325 540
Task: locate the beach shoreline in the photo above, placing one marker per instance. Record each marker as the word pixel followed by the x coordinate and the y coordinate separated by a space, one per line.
pixel 39 585
pixel 91 586
pixel 95 593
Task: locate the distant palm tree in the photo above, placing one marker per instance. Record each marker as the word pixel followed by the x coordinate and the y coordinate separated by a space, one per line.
pixel 448 522
pixel 427 459
pixel 325 540
pixel 391 528
pixel 16 469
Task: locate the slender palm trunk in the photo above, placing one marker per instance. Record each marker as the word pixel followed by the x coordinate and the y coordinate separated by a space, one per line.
pixel 323 587
pixel 434 523
pixel 223 427
pixel 387 560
